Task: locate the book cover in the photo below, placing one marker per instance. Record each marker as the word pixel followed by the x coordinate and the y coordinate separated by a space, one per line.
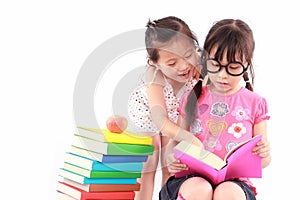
pixel 107 158
pixel 104 187
pixel 83 195
pixel 84 180
pixel 104 135
pixel 239 162
pixel 112 148
pixel 62 196
pixel 90 164
pixel 100 174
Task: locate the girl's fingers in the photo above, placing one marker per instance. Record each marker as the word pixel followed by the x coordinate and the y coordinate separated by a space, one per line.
pixel 261 145
pixel 262 149
pixel 176 166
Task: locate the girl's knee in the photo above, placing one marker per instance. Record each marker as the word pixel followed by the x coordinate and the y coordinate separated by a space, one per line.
pixel 196 187
pixel 229 190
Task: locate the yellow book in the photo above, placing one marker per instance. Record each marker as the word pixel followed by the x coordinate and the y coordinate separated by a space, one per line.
pixel 104 135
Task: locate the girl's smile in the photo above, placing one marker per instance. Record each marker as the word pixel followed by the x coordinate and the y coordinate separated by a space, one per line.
pixel 185 75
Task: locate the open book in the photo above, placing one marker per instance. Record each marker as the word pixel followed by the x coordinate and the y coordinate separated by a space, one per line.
pixel 239 162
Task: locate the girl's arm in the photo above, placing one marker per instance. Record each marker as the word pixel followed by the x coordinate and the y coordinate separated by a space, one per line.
pixel 160 118
pixel 173 164
pixel 263 147
pixel 158 111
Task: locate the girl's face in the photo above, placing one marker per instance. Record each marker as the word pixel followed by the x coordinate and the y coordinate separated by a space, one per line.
pixel 221 81
pixel 177 59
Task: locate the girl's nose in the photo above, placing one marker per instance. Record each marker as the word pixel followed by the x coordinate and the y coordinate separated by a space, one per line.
pixel 222 73
pixel 183 65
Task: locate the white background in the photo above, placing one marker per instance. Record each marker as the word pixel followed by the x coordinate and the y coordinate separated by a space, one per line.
pixel 43 45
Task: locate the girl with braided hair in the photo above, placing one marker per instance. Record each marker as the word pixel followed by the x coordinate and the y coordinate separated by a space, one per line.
pixel 222 113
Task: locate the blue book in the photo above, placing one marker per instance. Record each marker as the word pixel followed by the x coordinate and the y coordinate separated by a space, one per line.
pixel 91 164
pixel 84 180
pixel 106 158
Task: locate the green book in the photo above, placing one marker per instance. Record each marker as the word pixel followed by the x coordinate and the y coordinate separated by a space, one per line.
pixel 100 174
pixel 108 148
pixel 85 180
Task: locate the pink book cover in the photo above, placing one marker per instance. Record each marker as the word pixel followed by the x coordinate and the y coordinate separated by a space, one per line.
pixel 240 163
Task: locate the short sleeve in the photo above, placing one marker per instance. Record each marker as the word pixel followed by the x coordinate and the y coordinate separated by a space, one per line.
pixel 262 111
pixel 182 103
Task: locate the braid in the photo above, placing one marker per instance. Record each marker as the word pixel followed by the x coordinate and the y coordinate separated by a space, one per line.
pixel 191 103
pixel 248 83
pixel 195 94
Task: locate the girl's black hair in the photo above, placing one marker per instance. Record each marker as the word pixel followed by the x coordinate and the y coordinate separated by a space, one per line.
pixel 163 30
pixel 234 37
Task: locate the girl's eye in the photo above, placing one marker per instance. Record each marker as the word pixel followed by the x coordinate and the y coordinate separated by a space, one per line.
pixel 233 68
pixel 188 56
pixel 171 64
pixel 215 64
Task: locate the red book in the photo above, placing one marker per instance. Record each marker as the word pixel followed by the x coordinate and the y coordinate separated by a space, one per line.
pixel 104 187
pixel 79 194
pixel 239 162
pixel 62 196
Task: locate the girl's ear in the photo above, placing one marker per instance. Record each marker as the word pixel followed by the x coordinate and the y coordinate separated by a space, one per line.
pixel 150 62
pixel 153 64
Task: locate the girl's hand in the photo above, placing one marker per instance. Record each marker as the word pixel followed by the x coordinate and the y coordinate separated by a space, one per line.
pixel 176 166
pixel 262 148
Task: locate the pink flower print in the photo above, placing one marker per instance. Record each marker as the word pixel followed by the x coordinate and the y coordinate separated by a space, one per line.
pixel 240 113
pixel 212 144
pixel 237 129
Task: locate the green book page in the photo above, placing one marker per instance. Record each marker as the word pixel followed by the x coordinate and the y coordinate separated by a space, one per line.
pixel 102 174
pixel 129 149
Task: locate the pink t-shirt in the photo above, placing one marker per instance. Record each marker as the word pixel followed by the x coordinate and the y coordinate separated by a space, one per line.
pixel 226 120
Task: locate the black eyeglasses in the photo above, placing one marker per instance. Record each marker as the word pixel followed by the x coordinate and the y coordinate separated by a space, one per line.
pixel 233 68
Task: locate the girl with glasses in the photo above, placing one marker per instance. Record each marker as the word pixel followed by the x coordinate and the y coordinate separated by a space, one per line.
pixel 222 113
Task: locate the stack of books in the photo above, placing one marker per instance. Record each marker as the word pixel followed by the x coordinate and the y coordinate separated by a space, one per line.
pixel 103 165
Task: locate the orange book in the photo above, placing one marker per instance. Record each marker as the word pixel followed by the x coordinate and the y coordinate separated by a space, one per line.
pixel 79 194
pixel 104 187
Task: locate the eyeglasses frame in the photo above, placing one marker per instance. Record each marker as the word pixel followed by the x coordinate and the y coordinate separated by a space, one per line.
pixel 225 66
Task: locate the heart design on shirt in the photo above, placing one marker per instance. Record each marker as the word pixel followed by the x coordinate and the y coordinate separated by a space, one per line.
pixel 203 108
pixel 215 128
